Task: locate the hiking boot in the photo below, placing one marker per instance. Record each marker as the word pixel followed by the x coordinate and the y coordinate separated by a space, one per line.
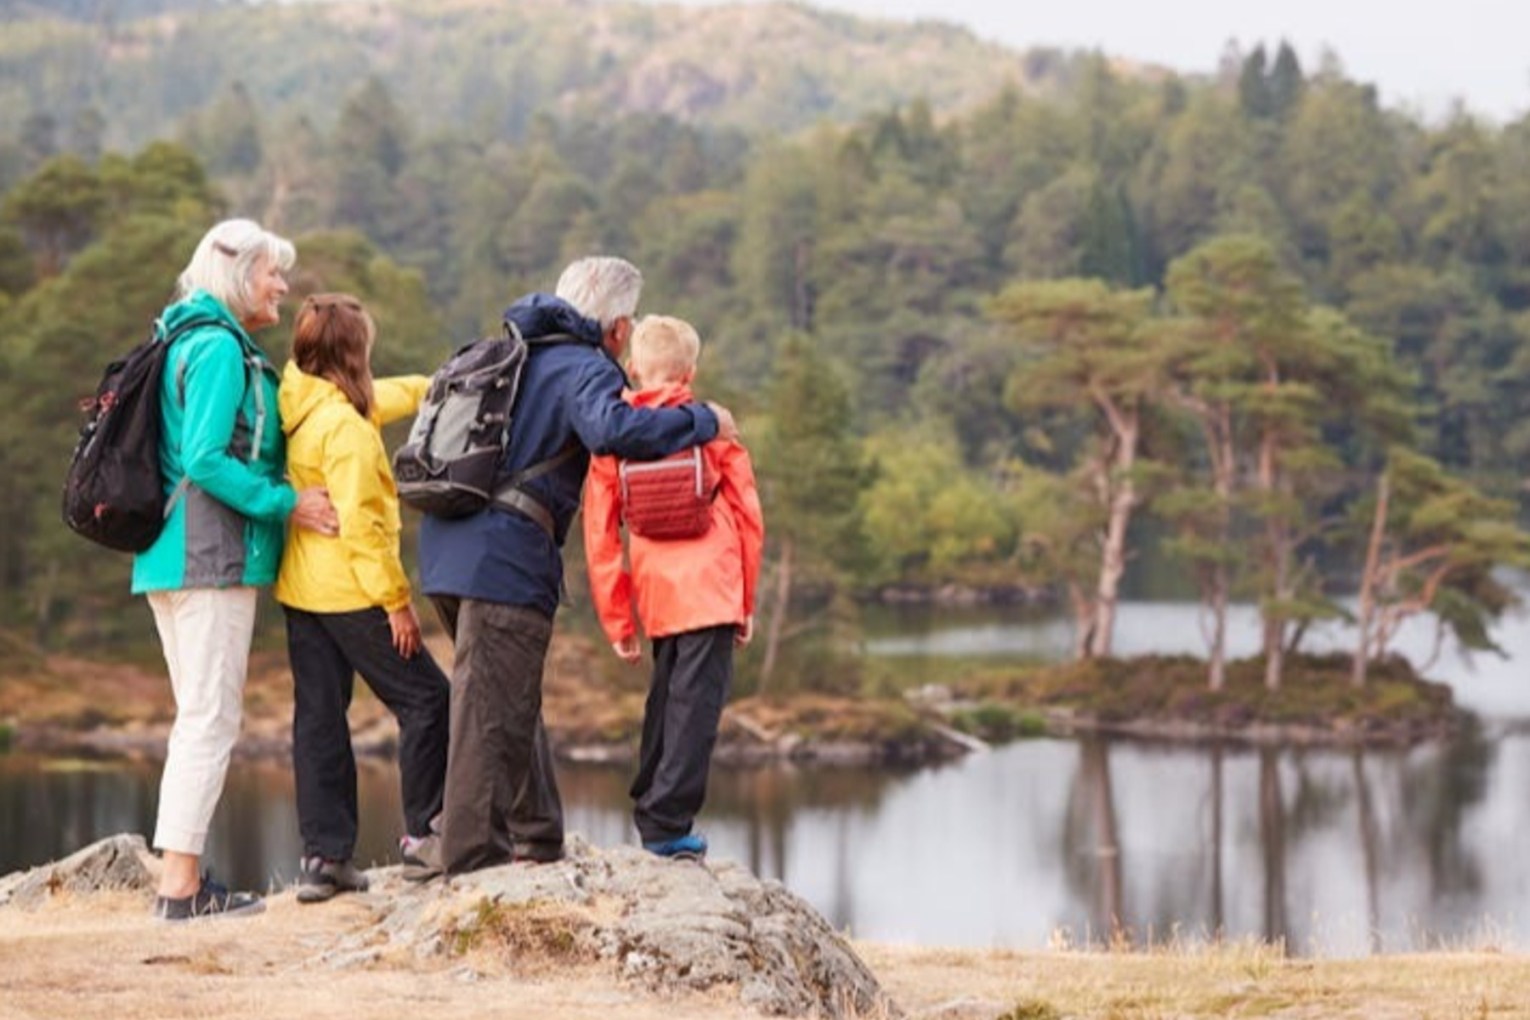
pixel 690 847
pixel 422 857
pixel 537 853
pixel 213 899
pixel 320 879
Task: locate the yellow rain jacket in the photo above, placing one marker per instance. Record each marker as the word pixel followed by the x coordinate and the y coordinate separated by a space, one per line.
pixel 329 444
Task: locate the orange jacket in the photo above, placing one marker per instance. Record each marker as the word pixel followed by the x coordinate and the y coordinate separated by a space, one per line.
pixel 681 584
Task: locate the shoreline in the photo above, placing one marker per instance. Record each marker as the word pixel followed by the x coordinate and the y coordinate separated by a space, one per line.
pixel 938 745
pixel 113 710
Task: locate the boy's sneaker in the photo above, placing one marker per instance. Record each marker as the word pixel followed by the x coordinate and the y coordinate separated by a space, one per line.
pixel 320 879
pixel 213 899
pixel 422 857
pixel 690 847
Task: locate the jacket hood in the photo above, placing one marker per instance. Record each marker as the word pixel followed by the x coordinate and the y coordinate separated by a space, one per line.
pixel 668 395
pixel 543 315
pixel 201 305
pixel 301 394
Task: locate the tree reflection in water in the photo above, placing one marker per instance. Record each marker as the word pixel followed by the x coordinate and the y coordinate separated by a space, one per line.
pixel 1328 850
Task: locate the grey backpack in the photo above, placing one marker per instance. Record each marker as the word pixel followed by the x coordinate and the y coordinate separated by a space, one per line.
pixel 450 465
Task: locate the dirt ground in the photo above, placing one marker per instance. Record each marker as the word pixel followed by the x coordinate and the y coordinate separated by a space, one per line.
pixel 102 958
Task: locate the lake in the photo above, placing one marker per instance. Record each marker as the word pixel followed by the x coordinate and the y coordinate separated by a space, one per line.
pixel 1041 842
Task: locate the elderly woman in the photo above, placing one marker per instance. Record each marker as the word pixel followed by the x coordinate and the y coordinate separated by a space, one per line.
pixel 222 451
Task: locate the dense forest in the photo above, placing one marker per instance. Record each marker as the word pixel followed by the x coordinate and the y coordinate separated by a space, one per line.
pixel 993 338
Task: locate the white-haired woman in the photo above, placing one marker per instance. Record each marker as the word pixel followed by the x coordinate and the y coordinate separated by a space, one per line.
pixel 222 454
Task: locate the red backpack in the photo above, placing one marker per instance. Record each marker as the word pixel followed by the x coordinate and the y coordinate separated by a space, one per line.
pixel 669 498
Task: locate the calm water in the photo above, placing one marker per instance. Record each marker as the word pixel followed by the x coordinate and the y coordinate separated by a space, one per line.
pixel 1337 852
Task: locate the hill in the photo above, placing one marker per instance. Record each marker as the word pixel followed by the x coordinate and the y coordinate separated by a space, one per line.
pixel 491 65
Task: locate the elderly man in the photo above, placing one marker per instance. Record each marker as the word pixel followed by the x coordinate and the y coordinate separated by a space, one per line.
pixel 495 577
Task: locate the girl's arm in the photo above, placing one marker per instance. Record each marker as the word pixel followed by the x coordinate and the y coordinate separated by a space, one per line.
pixel 398 396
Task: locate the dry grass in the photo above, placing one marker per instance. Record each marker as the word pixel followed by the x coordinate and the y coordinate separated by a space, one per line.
pixel 102 958
pixel 1228 981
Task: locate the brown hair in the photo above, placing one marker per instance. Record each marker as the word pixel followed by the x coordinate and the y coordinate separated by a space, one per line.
pixel 333 339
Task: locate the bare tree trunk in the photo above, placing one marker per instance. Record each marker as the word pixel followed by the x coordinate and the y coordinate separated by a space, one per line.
pixel 1123 500
pixel 276 207
pixel 1366 611
pixel 1224 464
pixel 1216 666
pixel 802 293
pixel 777 614
pixel 1084 617
pixel 1275 621
pixel 47 590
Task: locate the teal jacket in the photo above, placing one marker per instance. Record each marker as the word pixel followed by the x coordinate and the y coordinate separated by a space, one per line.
pixel 229 511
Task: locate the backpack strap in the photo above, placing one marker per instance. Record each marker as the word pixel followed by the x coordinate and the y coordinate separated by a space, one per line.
pixel 252 369
pixel 511 493
pixel 513 496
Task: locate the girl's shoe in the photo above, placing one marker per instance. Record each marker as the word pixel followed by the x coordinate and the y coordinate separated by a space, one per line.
pixel 319 879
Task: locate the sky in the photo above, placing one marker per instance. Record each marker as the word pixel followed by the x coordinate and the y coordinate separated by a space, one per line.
pixel 1422 56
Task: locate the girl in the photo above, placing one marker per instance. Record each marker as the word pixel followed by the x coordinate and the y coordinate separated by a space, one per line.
pixel 347 598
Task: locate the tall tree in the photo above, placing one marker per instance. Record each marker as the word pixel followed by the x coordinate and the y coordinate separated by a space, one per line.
pixel 1092 350
pixel 812 478
pixel 1434 545
pixel 58 210
pixel 1239 310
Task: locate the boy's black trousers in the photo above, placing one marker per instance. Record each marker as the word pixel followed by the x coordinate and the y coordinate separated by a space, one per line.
pixel 326 651
pixel 692 672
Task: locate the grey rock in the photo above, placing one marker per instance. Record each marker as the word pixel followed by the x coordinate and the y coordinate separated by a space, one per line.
pixel 661 925
pixel 116 862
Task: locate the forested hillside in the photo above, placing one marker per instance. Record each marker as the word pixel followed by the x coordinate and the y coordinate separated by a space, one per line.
pixel 126 73
pixel 979 341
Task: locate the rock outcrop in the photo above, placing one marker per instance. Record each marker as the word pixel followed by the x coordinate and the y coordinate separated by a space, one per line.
pixel 117 862
pixel 660 924
pixel 663 924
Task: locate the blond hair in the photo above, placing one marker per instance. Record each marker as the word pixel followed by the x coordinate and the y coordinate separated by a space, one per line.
pixel 663 350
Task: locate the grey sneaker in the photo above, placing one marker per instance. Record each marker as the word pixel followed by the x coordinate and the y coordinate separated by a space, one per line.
pixel 319 879
pixel 422 857
pixel 213 899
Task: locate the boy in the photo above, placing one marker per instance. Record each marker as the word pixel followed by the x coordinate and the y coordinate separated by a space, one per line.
pixel 694 593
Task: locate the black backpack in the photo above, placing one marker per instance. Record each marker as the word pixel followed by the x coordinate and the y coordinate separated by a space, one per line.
pixel 114 494
pixel 450 464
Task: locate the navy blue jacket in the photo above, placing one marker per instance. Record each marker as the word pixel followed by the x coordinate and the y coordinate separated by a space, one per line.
pixel 569 390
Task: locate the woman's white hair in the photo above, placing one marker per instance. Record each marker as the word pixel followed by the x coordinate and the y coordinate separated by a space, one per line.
pixel 602 288
pixel 225 262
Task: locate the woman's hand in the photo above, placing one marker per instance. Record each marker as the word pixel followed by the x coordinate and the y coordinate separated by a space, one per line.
pixel 315 512
pixel 745 632
pixel 406 631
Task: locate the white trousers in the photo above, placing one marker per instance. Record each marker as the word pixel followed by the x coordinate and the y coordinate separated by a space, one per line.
pixel 206 635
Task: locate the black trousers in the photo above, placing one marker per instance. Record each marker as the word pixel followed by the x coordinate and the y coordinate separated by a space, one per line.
pixel 326 651
pixel 502 798
pixel 692 672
